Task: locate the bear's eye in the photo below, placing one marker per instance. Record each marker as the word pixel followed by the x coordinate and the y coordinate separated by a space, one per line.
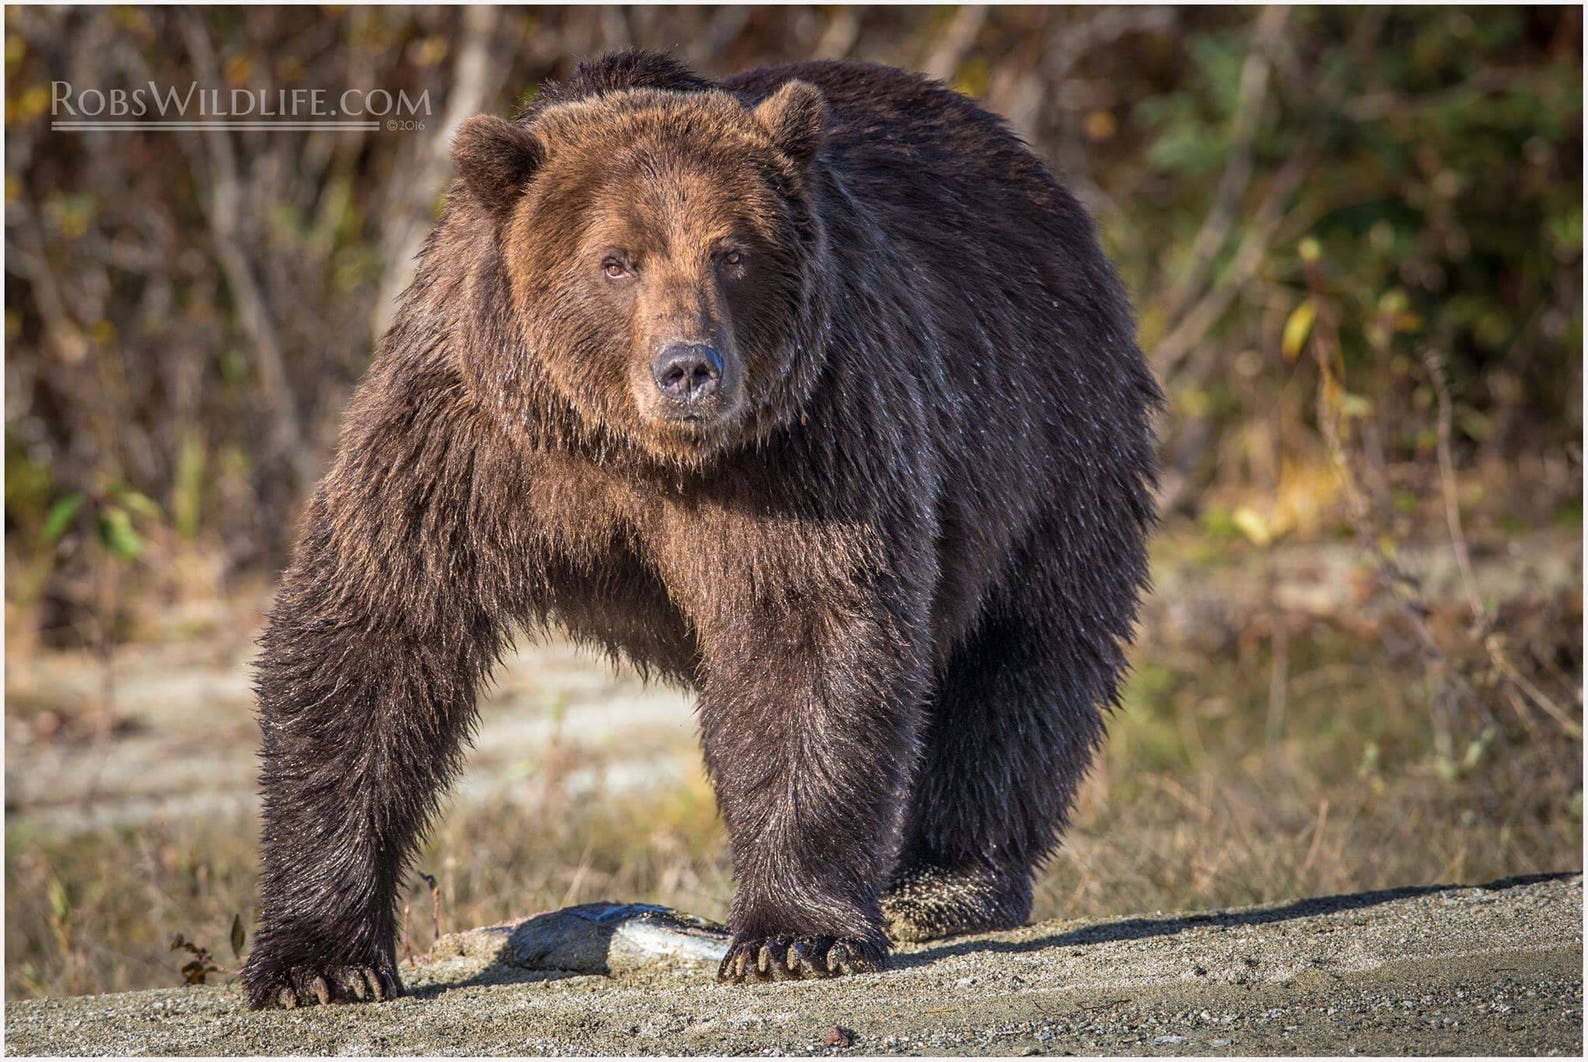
pixel 733 258
pixel 614 269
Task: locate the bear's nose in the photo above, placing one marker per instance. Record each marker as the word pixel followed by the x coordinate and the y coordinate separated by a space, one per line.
pixel 687 371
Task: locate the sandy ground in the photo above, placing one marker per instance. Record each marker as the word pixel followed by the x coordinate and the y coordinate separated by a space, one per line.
pixel 190 742
pixel 1493 970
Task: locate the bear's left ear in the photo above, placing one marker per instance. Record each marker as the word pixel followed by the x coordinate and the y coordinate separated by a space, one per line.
pixel 796 117
pixel 496 159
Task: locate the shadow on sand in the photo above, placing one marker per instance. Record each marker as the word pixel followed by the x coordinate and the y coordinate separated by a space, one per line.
pixel 1143 928
pixel 497 973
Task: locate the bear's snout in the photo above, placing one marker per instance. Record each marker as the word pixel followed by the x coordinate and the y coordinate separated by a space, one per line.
pixel 687 372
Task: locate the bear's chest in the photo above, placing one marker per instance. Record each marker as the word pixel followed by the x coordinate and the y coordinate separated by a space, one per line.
pixel 573 506
pixel 600 533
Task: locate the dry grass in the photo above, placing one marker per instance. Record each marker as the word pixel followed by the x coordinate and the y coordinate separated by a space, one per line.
pixel 1204 800
pixel 95 912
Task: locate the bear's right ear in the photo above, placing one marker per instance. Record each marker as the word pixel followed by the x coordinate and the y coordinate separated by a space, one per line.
pixel 496 159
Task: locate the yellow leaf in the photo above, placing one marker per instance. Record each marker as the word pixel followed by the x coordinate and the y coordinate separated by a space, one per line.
pixel 35 101
pixel 1100 125
pixel 1253 526
pixel 1393 301
pixel 1298 326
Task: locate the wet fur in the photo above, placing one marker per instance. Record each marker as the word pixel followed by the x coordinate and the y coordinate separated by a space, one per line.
pixel 902 590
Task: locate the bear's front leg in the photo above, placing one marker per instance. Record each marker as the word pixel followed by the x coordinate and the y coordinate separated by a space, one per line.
pixel 367 677
pixel 810 715
pixel 362 729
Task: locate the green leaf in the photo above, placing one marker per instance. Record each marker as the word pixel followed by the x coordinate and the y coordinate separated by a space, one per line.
pixel 1370 761
pixel 1355 405
pixel 1477 748
pixel 60 900
pixel 187 490
pixel 115 531
pixel 138 503
pixel 60 517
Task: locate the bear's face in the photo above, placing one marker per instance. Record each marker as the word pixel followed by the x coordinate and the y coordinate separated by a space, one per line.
pixel 658 249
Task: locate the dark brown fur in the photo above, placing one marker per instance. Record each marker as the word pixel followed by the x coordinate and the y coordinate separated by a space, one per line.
pixel 898 552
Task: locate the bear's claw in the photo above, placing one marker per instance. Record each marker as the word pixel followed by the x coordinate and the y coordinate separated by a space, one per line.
pixel 307 986
pixel 798 958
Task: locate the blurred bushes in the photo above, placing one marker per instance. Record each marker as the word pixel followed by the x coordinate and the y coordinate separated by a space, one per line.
pixel 186 313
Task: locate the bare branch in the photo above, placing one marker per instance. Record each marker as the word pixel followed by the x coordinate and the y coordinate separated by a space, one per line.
pixel 958 39
pixel 473 86
pixel 843 29
pixel 222 210
pixel 1195 324
pixel 1237 174
pixel 1071 43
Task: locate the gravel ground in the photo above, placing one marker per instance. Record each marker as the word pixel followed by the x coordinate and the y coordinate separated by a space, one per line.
pixel 1492 970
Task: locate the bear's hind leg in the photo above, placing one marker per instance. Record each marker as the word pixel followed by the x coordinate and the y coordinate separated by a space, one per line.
pixel 1012 730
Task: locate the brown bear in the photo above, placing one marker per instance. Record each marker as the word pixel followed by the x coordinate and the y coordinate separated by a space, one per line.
pixel 810 389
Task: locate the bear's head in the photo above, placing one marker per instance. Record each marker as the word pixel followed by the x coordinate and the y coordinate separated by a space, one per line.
pixel 661 255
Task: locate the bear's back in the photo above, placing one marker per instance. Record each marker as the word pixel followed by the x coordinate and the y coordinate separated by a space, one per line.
pixel 932 167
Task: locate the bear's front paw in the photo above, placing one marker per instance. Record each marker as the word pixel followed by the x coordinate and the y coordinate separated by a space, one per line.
pixel 799 958
pixel 306 986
